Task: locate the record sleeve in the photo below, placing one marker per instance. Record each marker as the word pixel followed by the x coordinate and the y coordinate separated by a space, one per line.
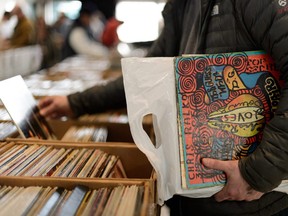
pixel 223 101
pixel 23 110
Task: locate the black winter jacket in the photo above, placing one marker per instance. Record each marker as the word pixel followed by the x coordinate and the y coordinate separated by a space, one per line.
pixel 236 25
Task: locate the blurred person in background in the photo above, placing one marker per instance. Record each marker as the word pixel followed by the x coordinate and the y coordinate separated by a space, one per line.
pixel 23 33
pixel 60 29
pixel 109 35
pixel 107 7
pixel 84 37
pixel 46 38
pixel 62 25
pixel 6 29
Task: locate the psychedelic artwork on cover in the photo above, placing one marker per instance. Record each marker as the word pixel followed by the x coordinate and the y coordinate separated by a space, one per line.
pixel 223 102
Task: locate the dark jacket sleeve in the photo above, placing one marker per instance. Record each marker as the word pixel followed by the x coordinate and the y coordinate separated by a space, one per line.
pixel 99 98
pixel 267 23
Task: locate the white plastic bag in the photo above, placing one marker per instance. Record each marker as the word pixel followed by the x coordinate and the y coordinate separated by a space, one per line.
pixel 150 89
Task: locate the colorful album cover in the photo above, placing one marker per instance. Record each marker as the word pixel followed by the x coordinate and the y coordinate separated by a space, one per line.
pixel 223 103
pixel 23 110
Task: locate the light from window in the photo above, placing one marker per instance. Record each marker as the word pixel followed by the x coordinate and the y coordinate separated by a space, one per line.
pixel 142 20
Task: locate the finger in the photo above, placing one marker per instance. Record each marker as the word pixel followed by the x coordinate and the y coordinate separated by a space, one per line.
pixel 221 196
pixel 253 195
pixel 44 102
pixel 215 164
pixel 225 195
pixel 47 111
pixel 54 116
pixel 248 196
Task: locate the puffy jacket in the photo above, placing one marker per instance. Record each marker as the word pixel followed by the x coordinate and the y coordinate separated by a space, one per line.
pixel 242 25
pixel 235 25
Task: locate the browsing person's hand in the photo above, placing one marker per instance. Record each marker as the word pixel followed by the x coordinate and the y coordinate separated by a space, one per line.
pixel 55 107
pixel 236 187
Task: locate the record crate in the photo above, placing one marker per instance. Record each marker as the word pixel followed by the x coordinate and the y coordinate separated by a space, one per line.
pixel 134 161
pixel 146 203
pixel 117 131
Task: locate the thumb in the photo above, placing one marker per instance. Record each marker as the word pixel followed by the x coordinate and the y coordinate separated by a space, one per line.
pixel 214 164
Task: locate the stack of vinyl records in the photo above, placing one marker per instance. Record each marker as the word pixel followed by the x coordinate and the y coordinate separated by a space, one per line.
pixel 38 200
pixel 113 117
pixel 7 127
pixel 42 160
pixel 86 133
